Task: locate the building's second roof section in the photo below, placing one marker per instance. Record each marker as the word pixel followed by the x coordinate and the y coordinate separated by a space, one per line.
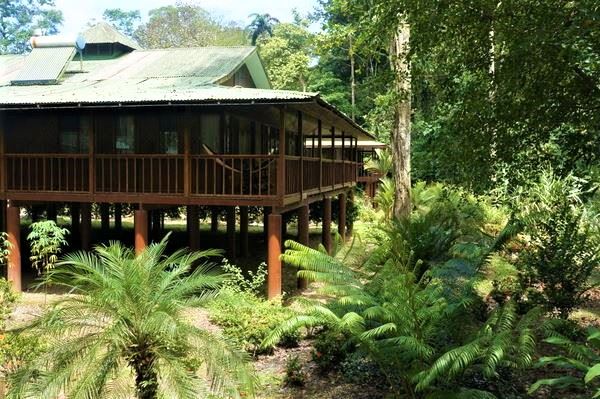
pixel 103 32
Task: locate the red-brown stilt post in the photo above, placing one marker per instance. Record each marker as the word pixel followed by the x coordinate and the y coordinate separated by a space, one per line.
pixel 266 211
pixel 13 231
pixel 118 217
pixel 193 225
pixel 140 221
pixel 75 219
pixel 51 212
pixel 350 229
pixel 326 228
pixel 86 226
pixel 231 233
pixel 214 220
pixel 342 216
pixel 274 252
pixel 303 236
pixel 244 231
pixel 104 219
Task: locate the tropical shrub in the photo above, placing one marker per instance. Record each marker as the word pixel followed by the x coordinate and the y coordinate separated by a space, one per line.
pixel 330 349
pixel 47 240
pixel 125 329
pixel 580 360
pixel 405 324
pixel 561 245
pixel 7 301
pixel 294 375
pixel 17 349
pixel 246 318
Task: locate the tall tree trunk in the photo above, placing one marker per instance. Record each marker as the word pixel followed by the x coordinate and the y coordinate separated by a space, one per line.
pixel 401 130
pixel 352 79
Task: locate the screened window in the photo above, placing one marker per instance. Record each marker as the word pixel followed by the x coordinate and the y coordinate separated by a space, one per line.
pixel 125 140
pixel 210 131
pixel 72 138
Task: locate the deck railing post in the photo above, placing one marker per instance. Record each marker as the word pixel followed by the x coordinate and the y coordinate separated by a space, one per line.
pixel 90 121
pixel 281 159
pixel 2 157
pixel 187 176
pixel 301 133
pixel 343 157
pixel 320 132
pixel 333 157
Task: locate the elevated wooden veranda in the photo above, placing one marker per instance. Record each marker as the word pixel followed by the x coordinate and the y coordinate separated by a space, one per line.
pixel 209 155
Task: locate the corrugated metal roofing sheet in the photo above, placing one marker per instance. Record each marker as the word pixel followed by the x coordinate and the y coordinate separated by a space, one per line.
pixel 103 32
pixel 44 65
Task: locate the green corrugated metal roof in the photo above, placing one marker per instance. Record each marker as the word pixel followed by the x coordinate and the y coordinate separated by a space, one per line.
pixel 103 32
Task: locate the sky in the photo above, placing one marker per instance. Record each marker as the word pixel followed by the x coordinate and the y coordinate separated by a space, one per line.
pixel 77 13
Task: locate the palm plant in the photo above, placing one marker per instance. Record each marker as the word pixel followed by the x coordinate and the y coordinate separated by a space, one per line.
pixel 261 24
pixel 123 330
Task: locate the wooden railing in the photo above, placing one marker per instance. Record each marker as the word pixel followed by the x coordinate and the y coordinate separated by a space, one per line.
pixel 136 173
pixel 47 172
pixel 236 175
pixel 173 174
pixel 311 173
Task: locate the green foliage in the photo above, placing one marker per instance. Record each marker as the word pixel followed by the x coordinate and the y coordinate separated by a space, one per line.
pixel 579 361
pixel 7 301
pixel 46 239
pixel 330 349
pixel 187 25
pixel 561 244
pixel 401 321
pixel 294 375
pixel 287 54
pixel 124 21
pixel 126 328
pixel 246 318
pixel 16 350
pixel 261 24
pixel 20 18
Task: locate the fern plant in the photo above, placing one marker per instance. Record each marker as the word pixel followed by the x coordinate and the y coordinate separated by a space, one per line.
pixel 582 360
pixel 47 240
pixel 399 320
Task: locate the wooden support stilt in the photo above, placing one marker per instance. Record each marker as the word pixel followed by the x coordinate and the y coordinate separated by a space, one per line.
pixel 244 231
pixel 51 212
pixel 303 237
pixel 13 230
pixel 86 226
pixel 326 228
pixel 274 252
pixel 140 221
pixel 75 222
pixel 104 219
pixel 231 247
pixel 350 224
pixel 214 220
pixel 118 217
pixel 193 226
pixel 342 216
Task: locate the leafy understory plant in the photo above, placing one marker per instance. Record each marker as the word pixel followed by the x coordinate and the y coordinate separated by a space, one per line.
pixel 125 330
pixel 47 240
pixel 399 321
pixel 582 360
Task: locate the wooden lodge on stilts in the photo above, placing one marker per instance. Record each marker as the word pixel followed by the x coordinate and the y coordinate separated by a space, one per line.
pixel 110 123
